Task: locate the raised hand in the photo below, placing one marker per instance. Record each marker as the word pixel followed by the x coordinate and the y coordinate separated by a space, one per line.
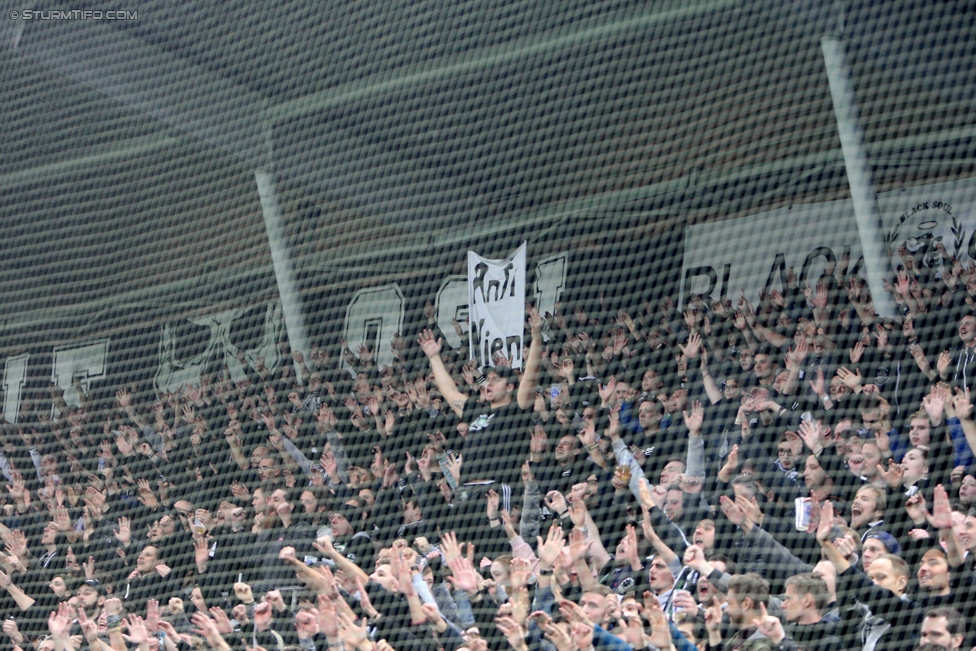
pixel 941 516
pixel 221 621
pixel 826 523
pixel 579 546
pixel 152 616
pixel 694 420
pixel 123 397
pixel 769 625
pixel 492 507
pixel 606 391
pixel 631 546
pixel 893 475
pixel 713 617
pixel 694 346
pixel 731 464
pixel 934 404
pixel 812 434
pixel 549 550
pixel 582 635
pixel 326 417
pixel 658 624
pixel 587 436
pixel 849 378
pixel 916 508
pixel 353 635
pixel 207 628
pixel 578 513
pixel 962 404
pixel 201 551
pixel 558 636
pixel 556 502
pixel 59 622
pixel 818 384
pixel 138 634
pixel 820 296
pixel 326 617
pixel 465 577
pixel 733 511
pixel 943 363
pixel 16 543
pixel 430 345
pixel 751 509
pixel 146 495
pixel 89 628
pixel 453 465
pixel 694 558
pixel 61 519
pixel 539 442
pixel 125 448
pixel 513 632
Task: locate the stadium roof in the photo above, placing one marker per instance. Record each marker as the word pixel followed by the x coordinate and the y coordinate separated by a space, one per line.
pixel 129 146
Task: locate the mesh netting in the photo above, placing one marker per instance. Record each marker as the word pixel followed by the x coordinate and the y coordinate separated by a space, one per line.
pixel 279 372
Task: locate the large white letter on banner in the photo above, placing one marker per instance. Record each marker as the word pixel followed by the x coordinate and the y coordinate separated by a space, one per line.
pixel 550 280
pixel 14 376
pixel 174 374
pixel 374 315
pixel 86 362
pixel 496 300
pixel 452 303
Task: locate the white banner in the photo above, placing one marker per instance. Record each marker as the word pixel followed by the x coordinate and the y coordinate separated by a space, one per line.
pixel 496 296
pixel 752 253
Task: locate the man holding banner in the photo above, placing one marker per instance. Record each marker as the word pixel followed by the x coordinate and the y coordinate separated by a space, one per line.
pixel 499 429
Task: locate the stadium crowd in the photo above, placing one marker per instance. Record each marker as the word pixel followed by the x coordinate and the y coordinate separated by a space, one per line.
pixel 792 475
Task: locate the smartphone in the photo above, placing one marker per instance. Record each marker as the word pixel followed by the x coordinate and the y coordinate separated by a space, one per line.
pixel 554 391
pixel 836 533
pixel 802 513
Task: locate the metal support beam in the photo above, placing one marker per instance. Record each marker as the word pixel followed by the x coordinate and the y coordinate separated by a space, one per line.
pixel 291 300
pixel 859 176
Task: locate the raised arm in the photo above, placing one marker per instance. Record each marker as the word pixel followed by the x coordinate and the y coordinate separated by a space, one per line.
pixel 533 361
pixel 666 553
pixel 941 519
pixel 232 434
pixel 124 399
pixel 711 388
pixel 18 595
pixel 964 412
pixel 449 390
pixel 794 364
pixel 831 552
pixel 350 569
pixel 774 338
pixel 695 460
pixel 326 424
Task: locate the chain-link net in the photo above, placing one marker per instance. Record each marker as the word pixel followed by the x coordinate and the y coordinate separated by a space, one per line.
pixel 394 324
